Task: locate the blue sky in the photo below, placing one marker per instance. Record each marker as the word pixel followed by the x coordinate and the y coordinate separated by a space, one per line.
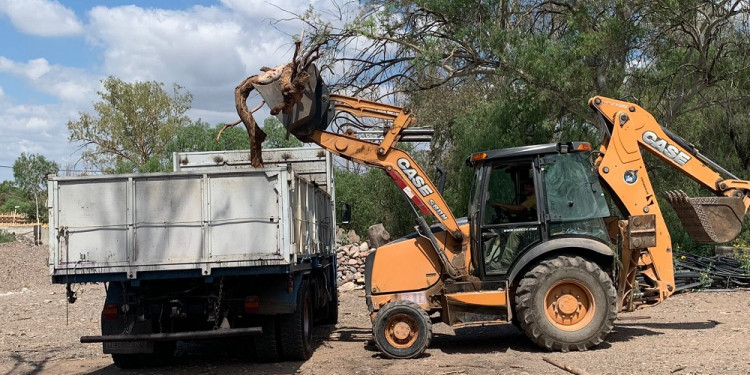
pixel 53 55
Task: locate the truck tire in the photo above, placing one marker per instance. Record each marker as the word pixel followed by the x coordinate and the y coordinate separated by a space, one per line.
pixel 267 344
pixel 566 303
pixel 402 330
pixel 296 328
pixel 332 309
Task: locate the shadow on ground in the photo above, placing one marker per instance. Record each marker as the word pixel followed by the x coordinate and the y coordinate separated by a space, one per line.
pixel 207 356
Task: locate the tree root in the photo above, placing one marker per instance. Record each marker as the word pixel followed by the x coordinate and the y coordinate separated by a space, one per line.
pixel 292 78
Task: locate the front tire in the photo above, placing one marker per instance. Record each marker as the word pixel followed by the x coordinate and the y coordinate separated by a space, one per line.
pixel 402 330
pixel 566 303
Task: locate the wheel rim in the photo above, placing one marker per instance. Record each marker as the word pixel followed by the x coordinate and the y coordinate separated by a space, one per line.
pixel 569 305
pixel 401 331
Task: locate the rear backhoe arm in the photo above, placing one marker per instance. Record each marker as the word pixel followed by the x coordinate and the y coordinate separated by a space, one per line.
pixel 627 129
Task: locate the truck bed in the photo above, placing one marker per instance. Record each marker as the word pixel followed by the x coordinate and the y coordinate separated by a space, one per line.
pixel 195 222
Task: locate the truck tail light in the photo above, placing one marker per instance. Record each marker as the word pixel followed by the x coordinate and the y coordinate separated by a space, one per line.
pixel 109 312
pixel 252 304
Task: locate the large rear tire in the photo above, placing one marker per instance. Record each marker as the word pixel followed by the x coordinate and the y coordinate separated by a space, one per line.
pixel 402 330
pixel 296 328
pixel 267 348
pixel 332 309
pixel 566 303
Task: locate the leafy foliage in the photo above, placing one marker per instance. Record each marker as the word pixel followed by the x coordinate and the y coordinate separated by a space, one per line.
pixel 374 199
pixel 6 237
pixel 133 124
pixel 11 196
pixel 200 136
pixel 277 136
pixel 493 74
pixel 30 173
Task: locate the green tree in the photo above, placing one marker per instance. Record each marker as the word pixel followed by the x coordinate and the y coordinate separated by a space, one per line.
pixel 200 136
pixel 30 173
pixel 374 198
pixel 11 196
pixel 132 125
pixel 277 136
pixel 491 74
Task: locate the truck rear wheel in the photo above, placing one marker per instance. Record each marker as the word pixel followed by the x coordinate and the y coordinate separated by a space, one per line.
pixel 296 328
pixel 402 330
pixel 566 303
pixel 267 344
pixel 332 309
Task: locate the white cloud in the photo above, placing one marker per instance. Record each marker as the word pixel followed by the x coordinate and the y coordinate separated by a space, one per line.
pixel 36 129
pixel 200 46
pixel 41 17
pixel 67 84
pixel 207 50
pixel 42 128
pixel 31 70
pixel 269 10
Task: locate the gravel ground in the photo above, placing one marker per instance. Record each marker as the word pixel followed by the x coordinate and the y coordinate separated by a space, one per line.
pixel 692 333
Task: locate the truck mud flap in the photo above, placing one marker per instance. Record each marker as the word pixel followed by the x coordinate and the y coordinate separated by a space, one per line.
pixel 708 219
pixel 193 335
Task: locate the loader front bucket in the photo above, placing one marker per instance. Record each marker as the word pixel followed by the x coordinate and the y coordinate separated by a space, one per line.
pixel 311 112
pixel 708 219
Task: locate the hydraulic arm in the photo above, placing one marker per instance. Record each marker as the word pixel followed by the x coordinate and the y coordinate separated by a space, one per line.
pixel 627 129
pixel 399 165
pixel 308 120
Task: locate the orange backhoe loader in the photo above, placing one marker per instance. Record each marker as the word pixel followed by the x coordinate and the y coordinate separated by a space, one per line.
pixel 539 247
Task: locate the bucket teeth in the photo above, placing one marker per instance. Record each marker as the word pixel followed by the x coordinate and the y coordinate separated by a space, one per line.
pixel 708 219
pixel 676 197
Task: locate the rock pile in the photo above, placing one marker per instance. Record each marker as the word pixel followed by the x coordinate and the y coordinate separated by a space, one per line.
pixel 351 265
pixel 351 254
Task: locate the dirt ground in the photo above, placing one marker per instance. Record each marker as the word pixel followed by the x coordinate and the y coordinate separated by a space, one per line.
pixel 693 333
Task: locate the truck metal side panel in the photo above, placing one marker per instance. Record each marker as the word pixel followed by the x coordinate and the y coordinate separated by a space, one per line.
pixel 194 221
pixel 311 163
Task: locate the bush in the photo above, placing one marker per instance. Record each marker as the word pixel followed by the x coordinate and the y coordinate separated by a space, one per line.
pixel 6 237
pixel 374 198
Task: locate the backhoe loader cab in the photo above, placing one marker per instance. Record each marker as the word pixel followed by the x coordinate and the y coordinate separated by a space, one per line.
pixel 539 255
pixel 523 197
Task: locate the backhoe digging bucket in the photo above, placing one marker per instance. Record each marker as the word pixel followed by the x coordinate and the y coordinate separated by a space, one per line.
pixel 311 112
pixel 708 219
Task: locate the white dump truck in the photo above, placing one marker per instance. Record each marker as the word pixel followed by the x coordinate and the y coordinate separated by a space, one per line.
pixel 214 249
